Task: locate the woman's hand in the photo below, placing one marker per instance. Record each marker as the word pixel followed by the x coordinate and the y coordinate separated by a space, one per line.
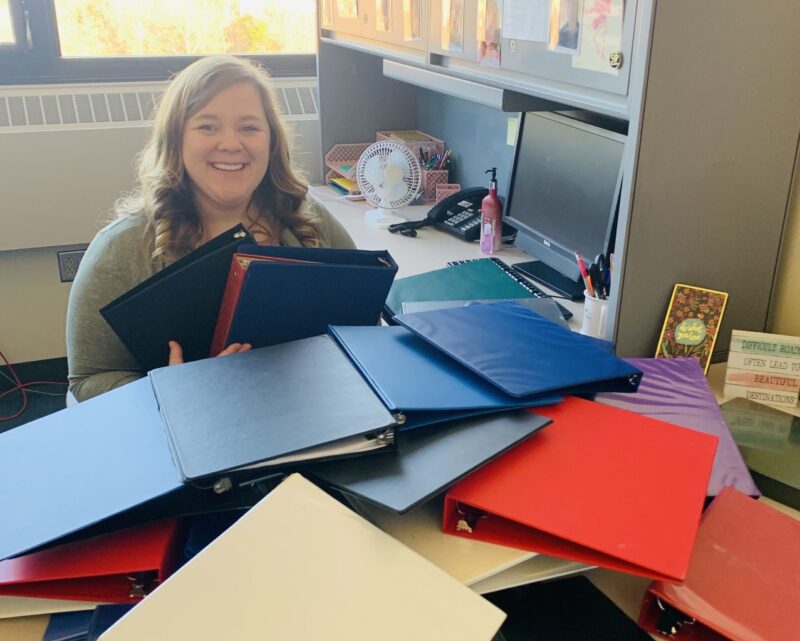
pixel 176 352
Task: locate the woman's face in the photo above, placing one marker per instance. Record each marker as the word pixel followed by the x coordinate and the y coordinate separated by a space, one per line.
pixel 226 150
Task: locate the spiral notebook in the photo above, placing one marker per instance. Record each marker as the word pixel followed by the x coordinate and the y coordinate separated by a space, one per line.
pixel 516 276
pixel 477 279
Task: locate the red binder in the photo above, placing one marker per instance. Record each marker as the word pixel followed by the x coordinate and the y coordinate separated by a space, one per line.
pixel 744 579
pixel 120 567
pixel 600 485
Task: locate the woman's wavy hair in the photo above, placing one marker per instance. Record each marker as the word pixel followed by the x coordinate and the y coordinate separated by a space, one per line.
pixel 163 194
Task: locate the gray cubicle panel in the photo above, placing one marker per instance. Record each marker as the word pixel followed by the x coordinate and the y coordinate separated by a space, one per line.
pixel 717 144
pixel 356 100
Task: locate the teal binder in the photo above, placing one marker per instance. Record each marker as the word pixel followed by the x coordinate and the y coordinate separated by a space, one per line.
pixel 474 280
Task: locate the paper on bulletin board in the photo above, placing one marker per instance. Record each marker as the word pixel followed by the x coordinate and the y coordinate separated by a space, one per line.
pixel 453 25
pixel 383 13
pixel 565 26
pixel 526 19
pixel 601 35
pixel 347 8
pixel 490 18
pixel 412 20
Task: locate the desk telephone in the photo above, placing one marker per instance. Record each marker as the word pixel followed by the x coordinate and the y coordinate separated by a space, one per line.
pixel 460 215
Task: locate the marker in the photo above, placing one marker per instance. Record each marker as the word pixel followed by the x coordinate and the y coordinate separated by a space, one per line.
pixel 585 275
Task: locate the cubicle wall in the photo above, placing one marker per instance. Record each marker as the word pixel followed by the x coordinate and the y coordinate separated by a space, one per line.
pixel 716 153
pixel 713 129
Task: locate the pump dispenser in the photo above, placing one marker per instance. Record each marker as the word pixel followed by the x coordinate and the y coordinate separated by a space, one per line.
pixel 491 217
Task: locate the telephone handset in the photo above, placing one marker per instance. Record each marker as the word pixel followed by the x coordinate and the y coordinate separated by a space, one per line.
pixel 460 215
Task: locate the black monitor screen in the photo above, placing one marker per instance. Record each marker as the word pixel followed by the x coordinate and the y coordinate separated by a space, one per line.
pixel 564 189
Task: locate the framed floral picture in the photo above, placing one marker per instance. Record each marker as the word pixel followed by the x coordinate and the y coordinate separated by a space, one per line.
pixel 692 323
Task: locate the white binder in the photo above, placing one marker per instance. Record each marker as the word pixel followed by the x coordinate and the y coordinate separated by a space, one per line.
pixel 300 565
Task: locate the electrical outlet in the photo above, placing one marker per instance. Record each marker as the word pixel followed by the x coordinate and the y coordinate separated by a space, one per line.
pixel 68 263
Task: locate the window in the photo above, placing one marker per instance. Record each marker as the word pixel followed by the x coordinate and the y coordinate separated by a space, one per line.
pixel 6 28
pixel 116 40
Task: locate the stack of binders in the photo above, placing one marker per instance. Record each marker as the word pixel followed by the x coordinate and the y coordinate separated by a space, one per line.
pixel 464 416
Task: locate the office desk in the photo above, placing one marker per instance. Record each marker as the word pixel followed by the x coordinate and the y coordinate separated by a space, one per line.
pixel 430 249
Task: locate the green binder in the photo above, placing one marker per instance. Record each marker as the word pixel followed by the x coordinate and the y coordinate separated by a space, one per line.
pixel 474 280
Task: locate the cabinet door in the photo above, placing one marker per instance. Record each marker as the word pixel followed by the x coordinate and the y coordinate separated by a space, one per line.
pixel 583 61
pixel 386 25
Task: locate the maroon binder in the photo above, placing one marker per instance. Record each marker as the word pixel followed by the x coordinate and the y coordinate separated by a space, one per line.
pixel 675 390
pixel 743 582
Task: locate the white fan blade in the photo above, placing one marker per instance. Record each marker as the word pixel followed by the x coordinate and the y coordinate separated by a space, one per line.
pixel 397 191
pixel 397 157
pixel 373 171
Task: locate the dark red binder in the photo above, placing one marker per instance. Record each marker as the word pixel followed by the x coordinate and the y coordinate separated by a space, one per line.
pixel 601 486
pixel 743 582
pixel 120 567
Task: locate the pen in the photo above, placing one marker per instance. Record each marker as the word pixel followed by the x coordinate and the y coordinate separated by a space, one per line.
pixel 602 274
pixel 594 277
pixel 444 160
pixel 585 275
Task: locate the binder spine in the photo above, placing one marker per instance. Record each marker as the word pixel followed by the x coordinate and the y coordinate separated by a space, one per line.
pixel 233 287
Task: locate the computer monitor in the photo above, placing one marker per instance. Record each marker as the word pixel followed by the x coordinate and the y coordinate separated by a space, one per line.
pixel 563 197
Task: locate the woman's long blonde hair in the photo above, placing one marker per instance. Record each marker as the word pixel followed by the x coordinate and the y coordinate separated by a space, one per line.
pixel 163 194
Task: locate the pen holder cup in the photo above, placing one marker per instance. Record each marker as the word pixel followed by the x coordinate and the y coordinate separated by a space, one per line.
pixel 430 179
pixel 595 316
pixel 445 190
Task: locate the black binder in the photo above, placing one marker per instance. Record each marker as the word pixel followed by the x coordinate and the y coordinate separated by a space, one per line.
pixel 180 303
pixel 570 609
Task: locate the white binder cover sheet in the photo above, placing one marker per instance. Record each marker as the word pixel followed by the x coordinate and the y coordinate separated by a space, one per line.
pixel 484 567
pixel 301 566
pixel 21 606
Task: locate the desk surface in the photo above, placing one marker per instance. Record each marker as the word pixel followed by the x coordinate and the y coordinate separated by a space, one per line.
pixel 430 249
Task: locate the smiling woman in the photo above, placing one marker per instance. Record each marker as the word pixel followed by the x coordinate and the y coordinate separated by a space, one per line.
pixel 218 156
pixel 226 154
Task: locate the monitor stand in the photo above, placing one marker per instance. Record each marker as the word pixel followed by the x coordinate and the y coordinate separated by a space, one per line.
pixel 538 271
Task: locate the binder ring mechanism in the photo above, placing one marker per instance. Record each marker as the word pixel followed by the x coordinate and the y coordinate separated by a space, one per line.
pixel 469 517
pixel 670 621
pixel 142 584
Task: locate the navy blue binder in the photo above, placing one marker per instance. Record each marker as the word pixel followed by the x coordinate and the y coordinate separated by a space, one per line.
pixel 521 352
pixel 68 626
pixel 108 462
pixel 180 303
pixel 285 301
pixel 428 461
pixel 423 384
pixel 271 405
pixel 104 616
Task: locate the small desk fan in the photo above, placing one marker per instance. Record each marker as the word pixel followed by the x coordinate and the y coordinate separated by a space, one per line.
pixel 389 177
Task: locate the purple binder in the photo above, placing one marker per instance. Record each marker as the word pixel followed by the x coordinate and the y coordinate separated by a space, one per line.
pixel 675 390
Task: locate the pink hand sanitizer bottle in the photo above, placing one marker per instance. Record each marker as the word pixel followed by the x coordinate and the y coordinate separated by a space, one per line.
pixel 491 217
